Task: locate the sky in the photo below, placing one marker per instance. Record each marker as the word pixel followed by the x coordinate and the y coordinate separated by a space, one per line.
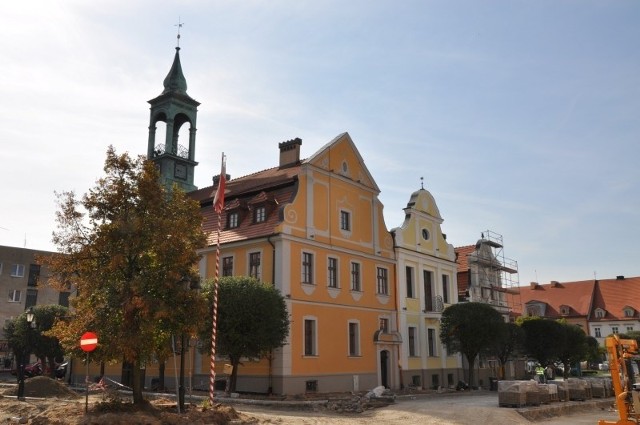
pixel 521 117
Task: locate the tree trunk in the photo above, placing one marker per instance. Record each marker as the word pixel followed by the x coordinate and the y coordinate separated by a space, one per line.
pixel 162 367
pixel 471 361
pixel 136 384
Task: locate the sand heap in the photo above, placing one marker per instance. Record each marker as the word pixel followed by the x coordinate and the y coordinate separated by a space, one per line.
pixel 44 387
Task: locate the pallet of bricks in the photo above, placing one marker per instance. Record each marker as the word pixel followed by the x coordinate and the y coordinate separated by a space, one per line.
pixel 598 388
pixel 562 390
pixel 579 389
pixel 548 393
pixel 512 394
pixel 533 393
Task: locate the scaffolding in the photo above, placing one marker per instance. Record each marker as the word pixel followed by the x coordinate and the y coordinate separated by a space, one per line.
pixel 494 277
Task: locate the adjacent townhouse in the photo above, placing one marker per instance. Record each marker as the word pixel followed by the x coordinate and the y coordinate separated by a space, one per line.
pixel 426 284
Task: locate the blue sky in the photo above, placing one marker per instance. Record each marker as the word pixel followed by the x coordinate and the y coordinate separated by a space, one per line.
pixel 523 117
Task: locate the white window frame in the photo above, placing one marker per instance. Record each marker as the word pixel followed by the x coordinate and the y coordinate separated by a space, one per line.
pixel 260 214
pixel 600 313
pixel 353 351
pixel 346 220
pixel 17 270
pixel 233 220
pixel 382 280
pixel 258 271
pixel 15 296
pixel 307 267
pixel 597 332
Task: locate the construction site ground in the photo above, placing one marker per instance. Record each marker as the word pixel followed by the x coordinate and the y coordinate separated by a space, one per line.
pixel 51 402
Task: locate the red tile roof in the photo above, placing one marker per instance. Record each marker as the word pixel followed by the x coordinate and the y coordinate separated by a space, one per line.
pixel 614 295
pixel 276 187
pixel 576 295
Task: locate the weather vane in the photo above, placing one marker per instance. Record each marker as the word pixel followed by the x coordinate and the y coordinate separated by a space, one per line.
pixel 422 183
pixel 179 25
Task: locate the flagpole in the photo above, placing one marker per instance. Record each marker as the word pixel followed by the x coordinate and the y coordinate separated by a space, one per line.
pixel 218 206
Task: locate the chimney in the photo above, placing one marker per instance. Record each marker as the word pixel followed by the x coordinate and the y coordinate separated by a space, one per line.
pixel 216 179
pixel 619 277
pixel 290 152
pixel 534 285
pixel 555 283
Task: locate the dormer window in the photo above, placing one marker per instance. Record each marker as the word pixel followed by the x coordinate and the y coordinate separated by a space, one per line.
pixel 233 220
pixel 260 214
pixel 600 313
pixel 628 312
pixel 533 310
pixel 565 310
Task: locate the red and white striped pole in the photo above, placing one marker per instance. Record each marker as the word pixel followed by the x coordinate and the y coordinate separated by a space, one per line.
pixel 212 378
pixel 218 207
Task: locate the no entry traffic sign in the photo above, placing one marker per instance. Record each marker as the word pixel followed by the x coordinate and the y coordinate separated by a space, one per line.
pixel 88 341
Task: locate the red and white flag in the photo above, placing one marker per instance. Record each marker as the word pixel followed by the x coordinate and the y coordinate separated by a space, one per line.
pixel 218 199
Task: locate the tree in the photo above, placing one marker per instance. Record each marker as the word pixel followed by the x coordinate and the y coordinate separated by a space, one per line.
pixel 508 342
pixel 252 320
pixel 25 339
pixel 573 346
pixel 129 247
pixel 543 339
pixel 469 328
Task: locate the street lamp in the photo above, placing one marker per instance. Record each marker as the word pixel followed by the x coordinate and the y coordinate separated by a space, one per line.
pixel 26 354
pixel 189 284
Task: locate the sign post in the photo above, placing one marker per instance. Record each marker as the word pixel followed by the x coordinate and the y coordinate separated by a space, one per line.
pixel 88 343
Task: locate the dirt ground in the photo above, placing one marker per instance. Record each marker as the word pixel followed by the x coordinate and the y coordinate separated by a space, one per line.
pixel 50 402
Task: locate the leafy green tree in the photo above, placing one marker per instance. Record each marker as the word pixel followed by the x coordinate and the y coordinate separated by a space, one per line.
pixel 572 347
pixel 508 343
pixel 543 339
pixel 129 247
pixel 25 338
pixel 252 320
pixel 470 329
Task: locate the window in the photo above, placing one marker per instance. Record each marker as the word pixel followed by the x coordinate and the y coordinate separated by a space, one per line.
pixel 34 274
pixel 32 298
pixel 384 324
pixel 15 296
pixel 600 313
pixel 564 310
pixel 307 267
pixel 354 339
pixel 628 312
pixel 425 234
pixel 431 341
pixel 345 220
pixel 17 270
pixel 629 328
pixel 597 332
pixel 409 279
pixel 427 278
pixel 445 289
pixel 614 329
pixel 533 311
pixel 412 341
pixel 254 265
pixel 332 273
pixel 233 220
pixel 383 281
pixel 310 337
pixel 260 214
pixel 227 266
pixel 355 277
pixel 63 298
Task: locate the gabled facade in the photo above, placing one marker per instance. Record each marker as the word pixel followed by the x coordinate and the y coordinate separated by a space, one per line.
pixel 427 284
pixel 313 228
pixel 615 308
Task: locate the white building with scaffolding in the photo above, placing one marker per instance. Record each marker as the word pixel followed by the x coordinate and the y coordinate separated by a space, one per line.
pixel 486 275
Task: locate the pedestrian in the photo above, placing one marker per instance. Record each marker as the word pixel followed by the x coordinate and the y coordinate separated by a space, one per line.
pixel 540 374
pixel 549 373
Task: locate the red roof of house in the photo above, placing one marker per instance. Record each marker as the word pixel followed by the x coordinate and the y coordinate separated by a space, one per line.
pixel 575 295
pixel 274 187
pixel 614 295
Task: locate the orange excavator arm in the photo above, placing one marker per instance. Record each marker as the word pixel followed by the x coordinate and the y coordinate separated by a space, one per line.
pixel 620 352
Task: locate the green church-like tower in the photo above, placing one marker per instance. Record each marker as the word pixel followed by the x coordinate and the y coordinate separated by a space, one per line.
pixel 175 108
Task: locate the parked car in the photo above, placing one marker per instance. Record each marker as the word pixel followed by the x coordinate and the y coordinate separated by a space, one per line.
pixel 604 365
